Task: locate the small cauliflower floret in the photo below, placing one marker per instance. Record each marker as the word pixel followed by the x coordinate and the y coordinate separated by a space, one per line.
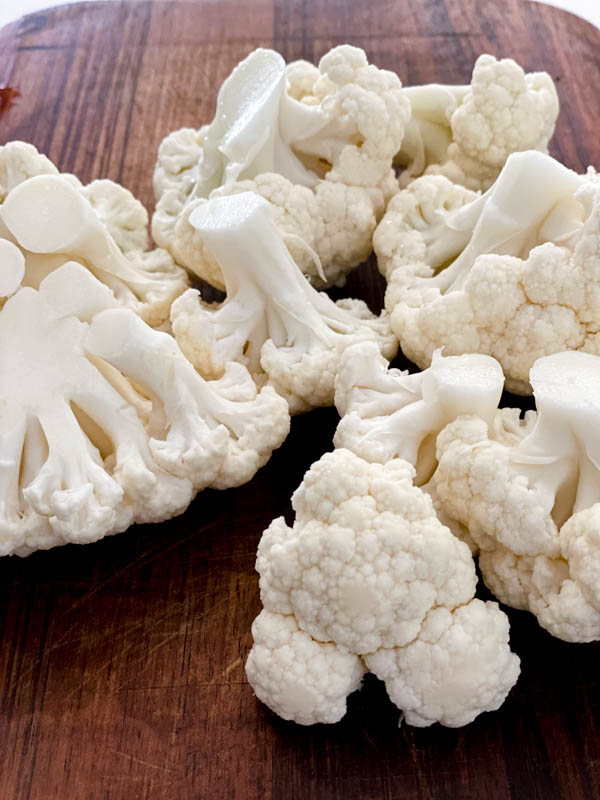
pixel 367 569
pixel 389 414
pixel 531 499
pixel 512 273
pixel 124 217
pixel 272 320
pixel 297 677
pixel 102 226
pixel 343 132
pixel 76 461
pixel 18 162
pixel 467 132
pixel 459 666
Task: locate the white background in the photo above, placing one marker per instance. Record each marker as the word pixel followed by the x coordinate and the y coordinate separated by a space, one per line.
pixel 12 9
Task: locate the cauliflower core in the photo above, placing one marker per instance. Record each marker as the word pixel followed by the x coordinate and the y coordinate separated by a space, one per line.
pixel 54 219
pixel 323 159
pixel 368 571
pixel 530 497
pixel 107 423
pixel 512 273
pixel 467 132
pixel 272 320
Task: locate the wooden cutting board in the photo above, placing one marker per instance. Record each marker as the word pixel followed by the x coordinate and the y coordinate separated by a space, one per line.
pixel 122 663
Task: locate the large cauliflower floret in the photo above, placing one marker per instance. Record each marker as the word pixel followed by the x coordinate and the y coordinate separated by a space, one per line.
pixel 101 225
pixel 363 571
pixel 327 155
pixel 532 501
pixel 272 320
pixel 366 559
pixel 296 676
pixel 467 132
pixel 107 422
pixel 513 274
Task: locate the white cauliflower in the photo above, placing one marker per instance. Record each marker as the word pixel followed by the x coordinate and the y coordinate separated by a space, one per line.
pixel 272 320
pixel 367 570
pixel 298 677
pixel 106 422
pixel 142 279
pixel 531 497
pixel 512 273
pixel 390 414
pixel 324 161
pixel 467 132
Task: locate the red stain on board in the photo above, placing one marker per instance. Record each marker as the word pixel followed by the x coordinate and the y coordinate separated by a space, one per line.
pixel 7 96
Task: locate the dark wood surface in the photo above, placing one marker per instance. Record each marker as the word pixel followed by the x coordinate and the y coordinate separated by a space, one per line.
pixel 122 662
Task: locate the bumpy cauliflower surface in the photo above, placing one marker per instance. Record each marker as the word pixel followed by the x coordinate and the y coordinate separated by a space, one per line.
pixel 101 226
pixel 513 273
pixel 272 320
pixel 530 496
pixel 467 132
pixel 362 572
pixel 322 159
pixel 106 422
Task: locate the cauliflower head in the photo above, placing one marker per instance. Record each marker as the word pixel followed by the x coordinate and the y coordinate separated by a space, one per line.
pixel 467 132
pixel 323 160
pixel 101 226
pixel 513 273
pixel 368 570
pixel 285 332
pixel 530 496
pixel 107 423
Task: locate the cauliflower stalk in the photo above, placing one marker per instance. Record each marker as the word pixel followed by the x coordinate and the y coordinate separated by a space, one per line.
pixel 530 497
pixel 466 133
pixel 367 578
pixel 106 423
pixel 101 225
pixel 272 320
pixel 511 273
pixel 323 161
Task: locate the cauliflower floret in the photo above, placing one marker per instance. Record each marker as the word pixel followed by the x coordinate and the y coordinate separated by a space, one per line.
pixel 390 414
pixel 272 320
pixel 368 569
pixel 531 499
pixel 367 559
pixel 298 677
pixel 18 162
pixel 511 274
pixel 101 225
pixel 460 665
pixel 108 423
pixel 467 132
pixel 124 217
pixel 323 160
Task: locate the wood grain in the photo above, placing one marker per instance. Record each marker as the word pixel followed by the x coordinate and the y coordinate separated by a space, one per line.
pixel 122 662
